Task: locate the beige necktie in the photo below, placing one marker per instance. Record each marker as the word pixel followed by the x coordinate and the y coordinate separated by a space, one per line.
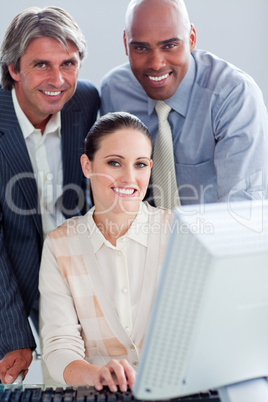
pixel 165 188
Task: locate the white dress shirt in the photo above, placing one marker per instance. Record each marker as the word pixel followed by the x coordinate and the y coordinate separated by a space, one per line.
pixel 45 155
pixel 122 266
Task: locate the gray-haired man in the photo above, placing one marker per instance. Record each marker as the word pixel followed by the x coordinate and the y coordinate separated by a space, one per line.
pixel 45 114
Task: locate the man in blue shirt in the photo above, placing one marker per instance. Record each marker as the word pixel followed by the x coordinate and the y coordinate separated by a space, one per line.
pixel 218 119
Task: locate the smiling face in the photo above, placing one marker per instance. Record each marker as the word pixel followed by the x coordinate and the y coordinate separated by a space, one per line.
pixel 120 171
pixel 47 78
pixel 158 40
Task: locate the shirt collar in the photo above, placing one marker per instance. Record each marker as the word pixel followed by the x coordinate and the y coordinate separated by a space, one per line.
pixel 180 100
pixel 138 231
pixel 53 125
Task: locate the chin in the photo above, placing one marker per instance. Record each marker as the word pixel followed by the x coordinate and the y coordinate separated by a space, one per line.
pixel 128 206
pixel 159 93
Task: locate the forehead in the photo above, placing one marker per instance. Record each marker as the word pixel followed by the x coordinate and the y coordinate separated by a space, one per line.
pixel 47 46
pixel 126 140
pixel 159 18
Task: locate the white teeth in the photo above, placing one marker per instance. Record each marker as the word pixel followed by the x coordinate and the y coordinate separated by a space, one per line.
pixel 51 93
pixel 159 78
pixel 127 191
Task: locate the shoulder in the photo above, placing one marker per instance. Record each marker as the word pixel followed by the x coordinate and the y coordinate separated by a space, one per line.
pixel 121 78
pixel 85 90
pixel 122 73
pixel 218 75
pixel 85 86
pixel 162 215
pixel 86 95
pixel 70 228
pixel 5 95
pixel 120 90
pixel 8 117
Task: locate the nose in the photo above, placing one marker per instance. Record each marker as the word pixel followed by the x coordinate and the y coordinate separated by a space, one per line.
pixel 157 60
pixel 56 78
pixel 128 176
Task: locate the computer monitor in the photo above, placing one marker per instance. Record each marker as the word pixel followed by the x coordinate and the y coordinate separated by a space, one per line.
pixel 209 324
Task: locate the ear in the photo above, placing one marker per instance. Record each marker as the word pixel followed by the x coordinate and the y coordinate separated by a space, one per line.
pixel 125 42
pixel 14 74
pixel 86 165
pixel 192 38
pixel 151 163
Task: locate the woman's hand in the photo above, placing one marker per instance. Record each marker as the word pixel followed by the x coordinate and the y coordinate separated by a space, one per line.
pixel 115 372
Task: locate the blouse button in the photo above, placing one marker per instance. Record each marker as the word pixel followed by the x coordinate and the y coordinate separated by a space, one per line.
pixel 124 291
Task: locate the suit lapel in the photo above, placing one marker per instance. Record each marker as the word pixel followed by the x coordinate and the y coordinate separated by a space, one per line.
pixel 72 135
pixel 15 153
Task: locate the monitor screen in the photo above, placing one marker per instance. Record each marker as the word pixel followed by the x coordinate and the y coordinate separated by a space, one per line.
pixel 209 324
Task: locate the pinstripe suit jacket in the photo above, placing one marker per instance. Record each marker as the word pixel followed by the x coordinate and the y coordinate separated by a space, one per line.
pixel 21 238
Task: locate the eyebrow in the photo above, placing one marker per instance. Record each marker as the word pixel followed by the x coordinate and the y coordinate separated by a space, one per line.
pixel 36 61
pixel 70 59
pixel 114 155
pixel 143 157
pixel 162 42
pixel 122 157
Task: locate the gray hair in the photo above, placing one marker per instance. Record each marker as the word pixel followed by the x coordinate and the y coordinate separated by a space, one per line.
pixel 34 22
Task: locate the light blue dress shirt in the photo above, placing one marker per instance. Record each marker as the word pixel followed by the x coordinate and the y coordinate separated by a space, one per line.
pixel 219 125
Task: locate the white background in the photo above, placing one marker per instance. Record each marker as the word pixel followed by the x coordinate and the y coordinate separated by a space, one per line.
pixel 236 30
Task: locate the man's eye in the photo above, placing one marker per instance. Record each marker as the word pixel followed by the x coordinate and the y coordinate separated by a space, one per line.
pixel 41 65
pixel 140 49
pixel 170 46
pixel 68 64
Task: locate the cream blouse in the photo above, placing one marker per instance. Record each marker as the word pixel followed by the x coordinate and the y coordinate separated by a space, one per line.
pixel 95 298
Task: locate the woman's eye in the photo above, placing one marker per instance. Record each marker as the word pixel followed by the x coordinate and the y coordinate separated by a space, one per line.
pixel 113 163
pixel 141 165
